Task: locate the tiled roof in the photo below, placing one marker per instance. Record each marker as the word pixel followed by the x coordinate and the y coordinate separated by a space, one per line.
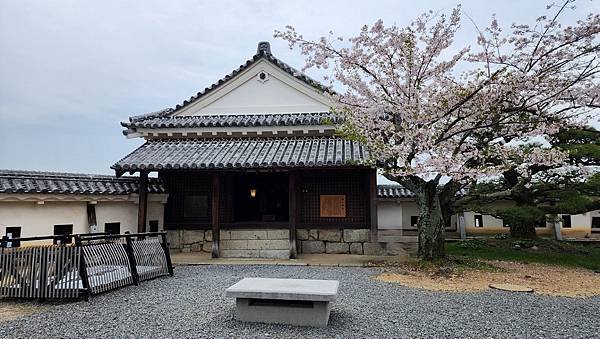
pixel 233 120
pixel 243 153
pixel 393 191
pixel 71 183
pixel 263 53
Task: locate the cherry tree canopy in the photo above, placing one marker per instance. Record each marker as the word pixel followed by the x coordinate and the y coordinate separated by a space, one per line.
pixel 426 111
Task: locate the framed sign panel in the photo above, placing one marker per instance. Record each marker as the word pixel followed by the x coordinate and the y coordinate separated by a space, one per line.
pixel 332 206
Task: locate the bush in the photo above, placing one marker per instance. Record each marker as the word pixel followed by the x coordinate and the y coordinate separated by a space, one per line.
pixel 472 244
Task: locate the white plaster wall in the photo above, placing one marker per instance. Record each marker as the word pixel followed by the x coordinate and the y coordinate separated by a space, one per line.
pixel 281 93
pixel 579 221
pixel 37 220
pixel 126 213
pixel 389 215
pixel 409 209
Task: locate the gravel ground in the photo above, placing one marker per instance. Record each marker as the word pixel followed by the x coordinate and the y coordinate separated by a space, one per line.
pixel 192 304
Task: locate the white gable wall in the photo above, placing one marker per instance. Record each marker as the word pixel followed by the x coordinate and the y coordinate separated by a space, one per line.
pixel 247 93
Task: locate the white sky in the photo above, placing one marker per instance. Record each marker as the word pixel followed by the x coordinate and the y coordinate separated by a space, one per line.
pixel 70 71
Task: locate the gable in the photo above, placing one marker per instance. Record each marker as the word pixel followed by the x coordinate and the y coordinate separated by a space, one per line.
pixel 261 88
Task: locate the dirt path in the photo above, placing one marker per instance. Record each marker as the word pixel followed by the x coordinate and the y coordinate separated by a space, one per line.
pixel 10 310
pixel 544 279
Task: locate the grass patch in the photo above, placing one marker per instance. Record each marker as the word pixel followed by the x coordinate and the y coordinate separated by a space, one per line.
pixel 543 251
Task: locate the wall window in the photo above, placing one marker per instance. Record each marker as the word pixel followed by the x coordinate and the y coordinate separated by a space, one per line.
pixel 414 220
pixel 195 206
pixel 596 222
pixel 566 221
pixel 62 230
pixel 112 227
pixel 153 225
pixel 11 233
pixel 505 224
pixel 478 220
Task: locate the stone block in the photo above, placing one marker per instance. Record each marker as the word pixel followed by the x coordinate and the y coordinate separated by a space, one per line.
pixel 224 235
pixel 186 249
pixel 337 247
pixel 278 234
pixel 274 254
pixel 313 235
pixel 207 246
pixel 268 244
pixel 330 235
pixel 248 234
pixel 313 247
pixel 208 235
pixel 394 248
pixel 233 244
pixel 239 253
pixel 192 236
pixel 196 247
pixel 174 239
pixel 302 234
pixel 356 248
pixel 360 235
pixel 373 248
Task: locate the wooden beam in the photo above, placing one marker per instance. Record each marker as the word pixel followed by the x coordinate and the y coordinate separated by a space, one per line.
pixel 293 211
pixel 143 201
pixel 91 216
pixel 372 189
pixel 216 227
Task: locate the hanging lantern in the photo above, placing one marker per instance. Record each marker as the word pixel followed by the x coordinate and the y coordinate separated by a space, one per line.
pixel 253 192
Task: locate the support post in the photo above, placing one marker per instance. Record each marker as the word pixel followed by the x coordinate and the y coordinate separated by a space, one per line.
pixel 216 227
pixel 85 282
pixel 131 257
pixel 143 201
pixel 165 247
pixel 293 212
pixel 372 196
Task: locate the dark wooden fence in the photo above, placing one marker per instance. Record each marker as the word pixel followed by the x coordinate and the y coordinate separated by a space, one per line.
pixel 93 264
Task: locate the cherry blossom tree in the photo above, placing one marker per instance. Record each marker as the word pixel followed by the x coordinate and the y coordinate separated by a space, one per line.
pixel 437 117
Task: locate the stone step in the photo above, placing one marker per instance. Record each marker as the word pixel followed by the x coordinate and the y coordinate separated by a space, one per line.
pixel 264 254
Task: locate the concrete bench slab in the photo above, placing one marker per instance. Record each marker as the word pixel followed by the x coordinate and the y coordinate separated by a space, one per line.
pixel 298 302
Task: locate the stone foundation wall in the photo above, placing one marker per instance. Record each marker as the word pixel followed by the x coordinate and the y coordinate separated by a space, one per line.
pixel 272 243
pixel 346 241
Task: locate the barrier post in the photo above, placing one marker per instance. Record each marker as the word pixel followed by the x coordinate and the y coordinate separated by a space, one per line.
pixel 165 247
pixel 131 256
pixel 85 282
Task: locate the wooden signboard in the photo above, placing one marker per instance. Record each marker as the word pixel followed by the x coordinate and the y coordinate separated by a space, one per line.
pixel 333 206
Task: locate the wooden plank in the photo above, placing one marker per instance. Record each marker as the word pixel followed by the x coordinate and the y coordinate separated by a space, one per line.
pixel 372 201
pixel 143 201
pixel 293 212
pixel 216 228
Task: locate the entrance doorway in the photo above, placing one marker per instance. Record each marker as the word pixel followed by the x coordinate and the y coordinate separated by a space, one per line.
pixel 261 197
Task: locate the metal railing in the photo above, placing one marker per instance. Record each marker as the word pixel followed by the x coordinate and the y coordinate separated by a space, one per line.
pixel 91 264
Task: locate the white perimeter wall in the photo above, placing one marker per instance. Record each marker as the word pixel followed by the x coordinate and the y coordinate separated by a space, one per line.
pixel 39 219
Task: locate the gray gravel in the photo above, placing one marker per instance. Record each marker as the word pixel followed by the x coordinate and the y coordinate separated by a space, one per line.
pixel 192 304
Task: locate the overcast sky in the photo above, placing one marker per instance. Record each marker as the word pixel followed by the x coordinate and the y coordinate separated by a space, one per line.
pixel 70 71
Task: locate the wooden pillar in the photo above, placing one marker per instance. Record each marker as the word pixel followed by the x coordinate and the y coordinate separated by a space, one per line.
pixel 372 189
pixel 143 201
pixel 293 211
pixel 216 227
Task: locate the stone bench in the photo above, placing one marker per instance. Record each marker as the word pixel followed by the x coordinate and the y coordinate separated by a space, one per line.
pixel 298 302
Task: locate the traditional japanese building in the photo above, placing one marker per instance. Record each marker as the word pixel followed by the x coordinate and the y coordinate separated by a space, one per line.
pixel 254 168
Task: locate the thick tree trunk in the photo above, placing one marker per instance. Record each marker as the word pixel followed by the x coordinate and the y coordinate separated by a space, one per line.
pixel 431 222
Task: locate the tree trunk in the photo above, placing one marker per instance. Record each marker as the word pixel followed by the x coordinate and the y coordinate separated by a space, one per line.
pixel 431 222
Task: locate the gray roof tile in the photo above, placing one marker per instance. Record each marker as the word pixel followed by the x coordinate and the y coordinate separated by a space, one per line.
pixel 393 191
pixel 12 181
pixel 233 120
pixel 243 153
